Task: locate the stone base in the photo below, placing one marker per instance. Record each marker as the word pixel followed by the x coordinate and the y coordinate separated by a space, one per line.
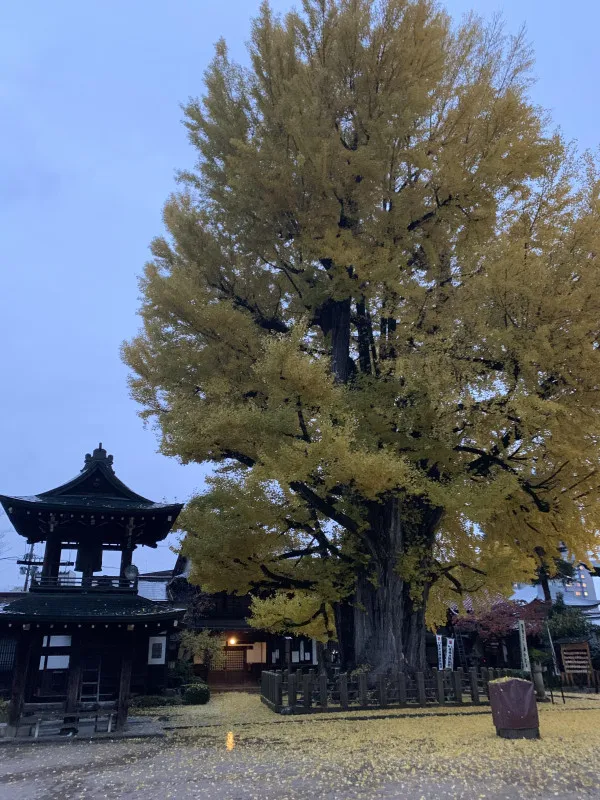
pixel 518 733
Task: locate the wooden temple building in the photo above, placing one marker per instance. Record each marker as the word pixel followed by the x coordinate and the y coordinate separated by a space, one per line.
pixel 248 650
pixel 80 641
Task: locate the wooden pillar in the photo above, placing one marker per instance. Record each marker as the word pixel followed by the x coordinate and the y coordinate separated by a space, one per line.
pixel 362 690
pixel 343 684
pixel 288 652
pixel 458 687
pixel 126 558
pixel 402 688
pixel 51 563
pixel 323 690
pixel 125 682
pixel 382 691
pixel 22 669
pixel 439 686
pixel 474 683
pixel 74 677
pixel 421 694
pixel 307 689
pixel 292 698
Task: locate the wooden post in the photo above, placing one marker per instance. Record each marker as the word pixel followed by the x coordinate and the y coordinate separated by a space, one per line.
pixel 402 688
pixel 51 565
pixel 382 691
pixel 439 686
pixel 363 697
pixel 126 559
pixel 421 696
pixel 344 690
pixel 125 682
pixel 288 653
pixel 74 678
pixel 474 685
pixel 22 668
pixel 308 679
pixel 485 679
pixel 278 689
pixel 292 698
pixel 457 675
pixel 323 690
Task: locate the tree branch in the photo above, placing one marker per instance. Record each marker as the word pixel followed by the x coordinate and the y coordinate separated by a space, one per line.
pixel 324 506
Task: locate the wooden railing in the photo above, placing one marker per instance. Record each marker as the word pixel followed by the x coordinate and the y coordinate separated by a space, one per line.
pixel 288 692
pixel 96 583
pixel 50 718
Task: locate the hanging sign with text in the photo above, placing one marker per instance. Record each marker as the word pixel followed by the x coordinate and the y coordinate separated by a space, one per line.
pixel 449 653
pixel 440 651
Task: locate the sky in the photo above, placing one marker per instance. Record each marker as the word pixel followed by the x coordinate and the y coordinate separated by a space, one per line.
pixel 90 139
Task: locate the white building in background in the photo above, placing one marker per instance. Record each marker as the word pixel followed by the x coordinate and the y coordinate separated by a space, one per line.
pixel 583 591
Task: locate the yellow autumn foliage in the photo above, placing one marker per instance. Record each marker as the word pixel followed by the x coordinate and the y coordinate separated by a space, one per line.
pixel 376 311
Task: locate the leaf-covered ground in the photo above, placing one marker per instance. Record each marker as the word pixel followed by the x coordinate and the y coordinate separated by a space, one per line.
pixel 234 749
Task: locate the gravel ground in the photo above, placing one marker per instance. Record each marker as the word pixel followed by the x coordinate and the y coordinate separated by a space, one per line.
pixel 236 751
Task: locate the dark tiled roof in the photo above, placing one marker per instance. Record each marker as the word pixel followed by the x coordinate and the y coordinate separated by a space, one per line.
pixel 87 502
pixel 63 607
pixel 96 490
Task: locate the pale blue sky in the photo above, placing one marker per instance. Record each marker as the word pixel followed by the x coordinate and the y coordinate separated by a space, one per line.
pixel 90 137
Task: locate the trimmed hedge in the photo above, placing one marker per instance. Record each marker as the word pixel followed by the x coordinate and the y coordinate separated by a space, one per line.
pixel 154 701
pixel 196 694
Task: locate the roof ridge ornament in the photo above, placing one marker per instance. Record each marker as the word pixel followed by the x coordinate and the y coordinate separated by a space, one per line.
pixel 98 456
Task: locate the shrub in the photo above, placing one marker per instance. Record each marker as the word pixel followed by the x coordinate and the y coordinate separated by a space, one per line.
pixel 360 669
pixel 196 694
pixel 541 656
pixel 181 674
pixel 567 622
pixel 153 701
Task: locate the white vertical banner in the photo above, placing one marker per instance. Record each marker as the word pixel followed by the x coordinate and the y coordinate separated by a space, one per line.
pixel 525 665
pixel 440 651
pixel 449 653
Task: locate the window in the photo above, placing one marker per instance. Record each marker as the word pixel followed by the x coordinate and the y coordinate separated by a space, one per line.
pixel 8 649
pixel 156 650
pixel 50 659
pixel 235 659
pixel 59 641
pixel 57 662
pixel 157 646
pixel 54 662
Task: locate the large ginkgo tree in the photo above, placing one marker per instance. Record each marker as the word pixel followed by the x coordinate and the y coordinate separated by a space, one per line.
pixel 376 311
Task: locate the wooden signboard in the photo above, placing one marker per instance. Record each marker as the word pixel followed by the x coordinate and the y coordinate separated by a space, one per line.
pixel 576 659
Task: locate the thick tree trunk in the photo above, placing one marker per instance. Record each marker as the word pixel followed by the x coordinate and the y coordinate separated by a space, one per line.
pixel 344 623
pixel 389 624
pixel 546 588
pixel 334 320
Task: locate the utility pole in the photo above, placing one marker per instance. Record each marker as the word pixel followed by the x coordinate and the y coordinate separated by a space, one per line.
pixel 28 570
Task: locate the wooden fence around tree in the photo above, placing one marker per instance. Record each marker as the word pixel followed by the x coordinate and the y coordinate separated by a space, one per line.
pixel 288 692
